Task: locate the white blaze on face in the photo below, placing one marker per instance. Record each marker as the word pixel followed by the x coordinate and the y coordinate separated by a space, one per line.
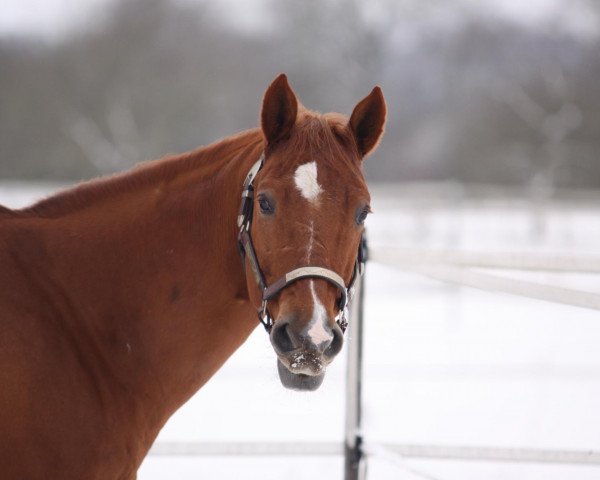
pixel 317 331
pixel 305 178
pixel 306 182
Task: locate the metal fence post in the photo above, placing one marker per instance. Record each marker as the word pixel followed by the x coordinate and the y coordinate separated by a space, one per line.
pixel 354 463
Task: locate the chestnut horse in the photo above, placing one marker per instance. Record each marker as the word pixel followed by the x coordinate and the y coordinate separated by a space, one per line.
pixel 121 297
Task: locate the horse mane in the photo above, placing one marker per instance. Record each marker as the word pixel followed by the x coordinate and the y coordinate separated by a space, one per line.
pixel 205 161
pixel 6 212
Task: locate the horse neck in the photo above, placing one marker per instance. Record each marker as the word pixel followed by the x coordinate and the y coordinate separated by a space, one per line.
pixel 151 283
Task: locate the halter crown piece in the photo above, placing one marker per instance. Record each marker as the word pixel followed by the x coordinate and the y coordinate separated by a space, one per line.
pixel 270 291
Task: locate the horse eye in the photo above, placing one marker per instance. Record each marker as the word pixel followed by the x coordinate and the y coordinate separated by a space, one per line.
pixel 266 207
pixel 362 215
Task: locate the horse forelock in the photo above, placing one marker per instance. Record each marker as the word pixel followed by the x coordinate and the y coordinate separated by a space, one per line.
pixel 326 135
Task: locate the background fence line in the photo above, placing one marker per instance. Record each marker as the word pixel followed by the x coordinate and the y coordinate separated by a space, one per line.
pixel 408 451
pixel 406 257
pixel 460 268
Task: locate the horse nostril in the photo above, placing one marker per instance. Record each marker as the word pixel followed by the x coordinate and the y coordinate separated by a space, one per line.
pixel 280 337
pixel 336 342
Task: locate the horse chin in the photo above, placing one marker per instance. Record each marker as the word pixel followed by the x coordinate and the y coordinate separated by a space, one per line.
pixel 298 381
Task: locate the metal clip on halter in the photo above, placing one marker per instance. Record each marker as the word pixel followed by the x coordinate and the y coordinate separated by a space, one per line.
pixel 264 317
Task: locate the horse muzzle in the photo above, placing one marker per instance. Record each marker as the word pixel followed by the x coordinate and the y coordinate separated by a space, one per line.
pixel 303 355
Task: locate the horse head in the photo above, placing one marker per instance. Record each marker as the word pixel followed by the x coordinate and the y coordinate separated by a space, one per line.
pixel 310 201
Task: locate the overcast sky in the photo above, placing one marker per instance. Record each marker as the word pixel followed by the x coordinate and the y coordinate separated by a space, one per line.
pixel 52 18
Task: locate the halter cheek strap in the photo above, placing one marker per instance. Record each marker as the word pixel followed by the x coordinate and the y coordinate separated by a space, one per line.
pixel 272 290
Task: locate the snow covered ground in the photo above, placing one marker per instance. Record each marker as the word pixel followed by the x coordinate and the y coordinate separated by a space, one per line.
pixel 444 365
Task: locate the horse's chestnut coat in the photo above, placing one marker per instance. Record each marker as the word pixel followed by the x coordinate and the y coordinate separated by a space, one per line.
pixel 121 297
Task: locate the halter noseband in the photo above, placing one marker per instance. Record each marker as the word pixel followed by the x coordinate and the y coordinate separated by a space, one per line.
pixel 270 291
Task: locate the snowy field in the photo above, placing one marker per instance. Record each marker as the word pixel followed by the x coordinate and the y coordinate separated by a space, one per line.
pixel 444 365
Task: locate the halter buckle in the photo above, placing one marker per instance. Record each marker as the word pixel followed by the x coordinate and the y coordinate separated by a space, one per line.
pixel 264 317
pixel 342 319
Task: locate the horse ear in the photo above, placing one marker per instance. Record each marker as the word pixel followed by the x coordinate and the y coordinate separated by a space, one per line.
pixel 367 121
pixel 279 110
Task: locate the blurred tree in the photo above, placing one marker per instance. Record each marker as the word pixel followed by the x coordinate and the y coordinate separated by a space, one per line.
pixel 157 77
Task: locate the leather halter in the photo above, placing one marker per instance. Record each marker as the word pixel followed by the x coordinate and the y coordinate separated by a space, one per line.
pixel 270 291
